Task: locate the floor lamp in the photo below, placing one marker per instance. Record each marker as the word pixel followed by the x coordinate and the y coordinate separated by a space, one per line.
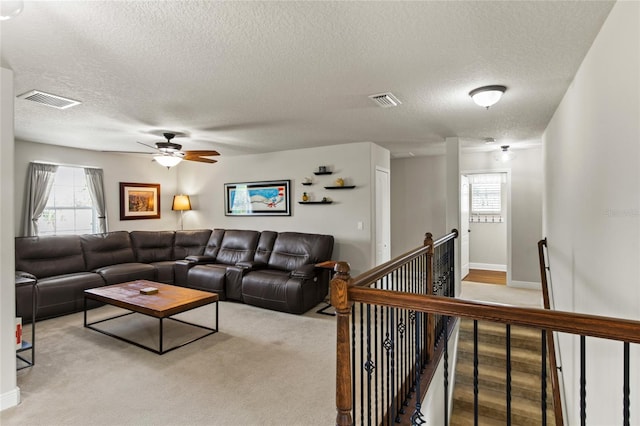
pixel 181 203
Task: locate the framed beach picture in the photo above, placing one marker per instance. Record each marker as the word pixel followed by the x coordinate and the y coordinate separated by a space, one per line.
pixel 269 198
pixel 139 201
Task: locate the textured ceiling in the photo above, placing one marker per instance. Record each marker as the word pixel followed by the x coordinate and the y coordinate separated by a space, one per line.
pixel 250 77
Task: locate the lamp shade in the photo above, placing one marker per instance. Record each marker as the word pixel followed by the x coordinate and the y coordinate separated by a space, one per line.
pixel 181 203
pixel 167 160
pixel 487 96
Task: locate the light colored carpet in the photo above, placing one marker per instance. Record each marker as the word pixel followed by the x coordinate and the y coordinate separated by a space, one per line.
pixel 262 368
pixel 496 293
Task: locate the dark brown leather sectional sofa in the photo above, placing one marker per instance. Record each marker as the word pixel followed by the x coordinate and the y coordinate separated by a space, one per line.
pixel 267 269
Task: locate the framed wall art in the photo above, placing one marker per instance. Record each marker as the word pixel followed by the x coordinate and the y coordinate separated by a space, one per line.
pixel 269 198
pixel 139 201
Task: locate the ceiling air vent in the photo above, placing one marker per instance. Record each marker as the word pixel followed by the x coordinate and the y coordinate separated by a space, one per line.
pixel 385 100
pixel 49 99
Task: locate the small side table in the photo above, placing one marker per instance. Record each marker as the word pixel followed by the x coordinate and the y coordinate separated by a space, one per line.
pixel 28 345
pixel 329 264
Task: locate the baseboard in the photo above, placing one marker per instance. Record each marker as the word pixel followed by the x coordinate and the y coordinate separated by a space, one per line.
pixel 488 267
pixel 10 399
pixel 525 284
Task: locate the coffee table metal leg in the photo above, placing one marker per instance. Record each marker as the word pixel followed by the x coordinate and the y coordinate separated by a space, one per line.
pixel 161 351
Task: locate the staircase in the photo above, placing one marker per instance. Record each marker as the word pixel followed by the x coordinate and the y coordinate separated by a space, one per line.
pixel 525 377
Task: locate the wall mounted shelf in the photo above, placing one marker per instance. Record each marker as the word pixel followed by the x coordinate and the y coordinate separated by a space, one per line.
pixel 307 183
pixel 340 187
pixel 315 202
pixel 322 173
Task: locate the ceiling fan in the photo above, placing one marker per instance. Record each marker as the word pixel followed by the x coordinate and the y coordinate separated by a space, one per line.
pixel 170 153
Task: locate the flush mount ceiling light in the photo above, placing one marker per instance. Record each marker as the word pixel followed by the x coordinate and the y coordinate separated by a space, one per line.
pixel 487 96
pixel 504 155
pixel 489 141
pixel 10 9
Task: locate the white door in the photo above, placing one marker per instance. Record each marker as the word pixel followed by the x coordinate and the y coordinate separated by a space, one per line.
pixel 464 226
pixel 383 217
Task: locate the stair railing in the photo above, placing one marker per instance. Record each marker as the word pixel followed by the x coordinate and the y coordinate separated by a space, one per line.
pixel 383 308
pixel 551 346
pixel 382 352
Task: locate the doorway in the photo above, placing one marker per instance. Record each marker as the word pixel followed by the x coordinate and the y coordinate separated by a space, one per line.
pixel 485 226
pixel 383 216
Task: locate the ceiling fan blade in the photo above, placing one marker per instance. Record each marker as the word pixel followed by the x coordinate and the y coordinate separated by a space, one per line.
pixel 202 153
pixel 200 159
pixel 148 146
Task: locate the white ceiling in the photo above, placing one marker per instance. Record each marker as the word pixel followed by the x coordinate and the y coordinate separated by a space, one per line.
pixel 251 77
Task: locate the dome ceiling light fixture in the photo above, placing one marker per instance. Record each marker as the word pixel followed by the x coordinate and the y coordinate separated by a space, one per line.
pixel 504 155
pixel 489 141
pixel 487 96
pixel 10 9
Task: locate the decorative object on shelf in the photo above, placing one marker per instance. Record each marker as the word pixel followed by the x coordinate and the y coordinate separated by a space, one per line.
pixel 305 197
pixel 139 201
pixel 181 203
pixel 339 182
pixel 269 198
pixel 307 181
pixel 340 187
pixel 487 96
pixel 322 169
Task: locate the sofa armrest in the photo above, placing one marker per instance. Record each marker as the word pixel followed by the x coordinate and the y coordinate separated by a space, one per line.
pixel 306 272
pixel 22 275
pixel 251 265
pixel 200 259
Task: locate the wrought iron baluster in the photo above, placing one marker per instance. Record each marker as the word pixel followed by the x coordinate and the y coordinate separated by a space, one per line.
pixel 475 372
pixel 508 380
pixel 446 379
pixel 377 326
pixel 543 400
pixel 360 362
pixel 583 382
pixel 368 365
pixel 417 417
pixel 626 390
pixel 353 360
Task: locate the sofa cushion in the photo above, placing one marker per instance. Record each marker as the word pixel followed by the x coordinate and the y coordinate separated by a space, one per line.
pixel 152 246
pixel 50 255
pixel 111 248
pixel 215 240
pixel 192 242
pixel 123 272
pixel 62 294
pixel 237 246
pixel 273 289
pixel 165 271
pixel 265 246
pixel 208 278
pixel 291 250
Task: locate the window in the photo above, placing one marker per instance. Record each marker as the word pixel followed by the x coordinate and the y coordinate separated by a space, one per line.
pixel 486 197
pixel 69 208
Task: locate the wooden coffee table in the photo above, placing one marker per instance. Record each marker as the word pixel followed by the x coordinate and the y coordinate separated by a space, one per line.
pixel 168 301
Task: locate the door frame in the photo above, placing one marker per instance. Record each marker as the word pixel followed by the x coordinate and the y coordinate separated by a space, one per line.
pixel 385 239
pixel 508 214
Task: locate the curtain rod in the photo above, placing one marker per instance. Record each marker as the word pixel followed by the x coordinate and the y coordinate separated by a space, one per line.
pixel 53 163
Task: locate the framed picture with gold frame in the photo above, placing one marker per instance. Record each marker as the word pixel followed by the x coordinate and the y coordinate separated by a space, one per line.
pixel 139 201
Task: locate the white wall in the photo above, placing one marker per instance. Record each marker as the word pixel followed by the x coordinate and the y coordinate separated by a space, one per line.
pixel 418 201
pixel 354 162
pixel 116 168
pixel 592 208
pixel 9 392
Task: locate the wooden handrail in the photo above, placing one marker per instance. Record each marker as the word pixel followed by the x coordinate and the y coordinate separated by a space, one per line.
pixel 567 322
pixel 551 345
pixel 373 275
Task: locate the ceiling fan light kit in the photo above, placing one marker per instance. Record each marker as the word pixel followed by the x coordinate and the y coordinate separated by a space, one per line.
pixel 487 96
pixel 170 154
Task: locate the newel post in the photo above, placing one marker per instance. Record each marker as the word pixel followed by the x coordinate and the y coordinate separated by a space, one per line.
pixel 340 301
pixel 428 242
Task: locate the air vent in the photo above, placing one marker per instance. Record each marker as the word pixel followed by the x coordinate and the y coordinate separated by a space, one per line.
pixel 48 99
pixel 385 100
